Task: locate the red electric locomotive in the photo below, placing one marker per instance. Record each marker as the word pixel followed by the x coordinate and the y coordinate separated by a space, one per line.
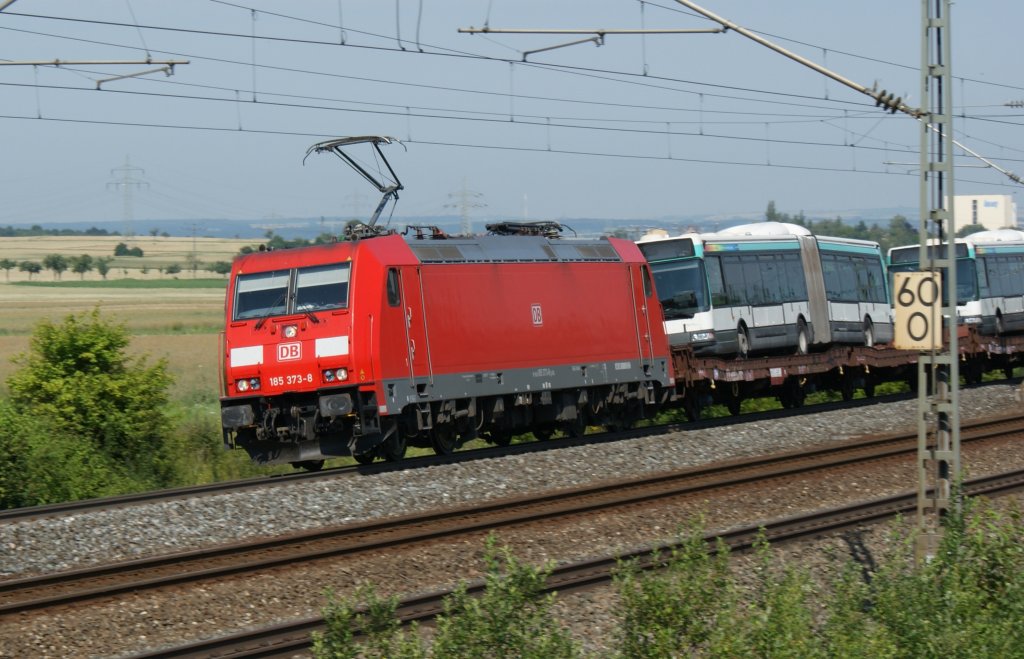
pixel 367 345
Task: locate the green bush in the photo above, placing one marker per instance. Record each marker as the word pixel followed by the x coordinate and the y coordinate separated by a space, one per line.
pixel 967 602
pixel 77 379
pixel 510 619
pixel 41 464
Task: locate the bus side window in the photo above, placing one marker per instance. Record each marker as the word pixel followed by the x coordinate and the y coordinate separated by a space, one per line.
pixel 394 295
pixel 714 268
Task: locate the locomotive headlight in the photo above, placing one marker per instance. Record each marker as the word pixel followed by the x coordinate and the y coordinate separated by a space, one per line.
pixel 290 331
pixel 246 384
pixel 332 374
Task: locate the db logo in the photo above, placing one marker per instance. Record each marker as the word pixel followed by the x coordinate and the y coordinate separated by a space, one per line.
pixel 538 317
pixel 287 352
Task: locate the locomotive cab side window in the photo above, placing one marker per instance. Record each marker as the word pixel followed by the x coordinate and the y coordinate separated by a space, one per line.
pixel 394 295
pixel 261 294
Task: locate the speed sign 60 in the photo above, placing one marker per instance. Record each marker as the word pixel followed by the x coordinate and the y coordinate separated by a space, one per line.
pixel 917 297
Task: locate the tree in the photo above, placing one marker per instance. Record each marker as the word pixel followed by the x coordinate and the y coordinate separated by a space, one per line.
pixel 8 265
pixel 901 232
pixel 172 269
pixel 56 262
pixel 968 229
pixel 219 267
pixel 103 265
pixel 122 249
pixel 31 267
pixel 78 376
pixel 81 265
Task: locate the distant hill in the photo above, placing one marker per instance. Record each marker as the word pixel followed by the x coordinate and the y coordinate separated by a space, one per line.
pixel 310 228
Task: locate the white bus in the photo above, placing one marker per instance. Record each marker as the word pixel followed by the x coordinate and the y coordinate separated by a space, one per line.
pixel 769 286
pixel 989 278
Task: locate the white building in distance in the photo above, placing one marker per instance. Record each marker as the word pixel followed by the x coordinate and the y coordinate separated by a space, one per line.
pixel 992 211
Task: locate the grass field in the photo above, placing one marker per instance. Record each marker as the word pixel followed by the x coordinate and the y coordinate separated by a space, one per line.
pixel 158 252
pixel 178 319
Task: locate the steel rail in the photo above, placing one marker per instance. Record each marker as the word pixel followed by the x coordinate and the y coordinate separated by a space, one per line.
pixel 295 637
pixel 419 462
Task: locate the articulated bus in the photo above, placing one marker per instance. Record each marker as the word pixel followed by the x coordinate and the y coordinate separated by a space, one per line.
pixel 769 286
pixel 989 278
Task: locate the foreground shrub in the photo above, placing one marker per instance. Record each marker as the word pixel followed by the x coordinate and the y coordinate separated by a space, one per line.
pixel 511 619
pixel 41 464
pixel 78 380
pixel 967 602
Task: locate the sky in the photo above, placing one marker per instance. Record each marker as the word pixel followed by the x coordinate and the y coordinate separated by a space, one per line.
pixel 640 127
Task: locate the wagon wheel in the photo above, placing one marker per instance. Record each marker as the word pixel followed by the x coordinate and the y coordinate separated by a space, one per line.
pixel 691 406
pixel 395 444
pixel 444 439
pixel 847 388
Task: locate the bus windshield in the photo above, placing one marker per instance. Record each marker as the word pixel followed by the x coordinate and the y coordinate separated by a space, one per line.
pixel 682 288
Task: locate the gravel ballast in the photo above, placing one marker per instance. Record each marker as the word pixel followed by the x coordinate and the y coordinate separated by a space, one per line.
pixel 75 540
pixel 156 619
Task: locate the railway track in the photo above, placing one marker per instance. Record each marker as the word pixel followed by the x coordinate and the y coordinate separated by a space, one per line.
pixel 18 596
pixel 419 462
pixel 289 639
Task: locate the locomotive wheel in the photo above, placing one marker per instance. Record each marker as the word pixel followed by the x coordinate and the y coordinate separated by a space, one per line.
pixel 501 437
pixel 444 439
pixel 543 434
pixel 394 446
pixel 364 458
pixel 574 428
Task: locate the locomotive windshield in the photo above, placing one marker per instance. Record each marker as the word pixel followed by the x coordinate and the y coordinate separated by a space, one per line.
pixel 321 287
pixel 284 292
pixel 261 294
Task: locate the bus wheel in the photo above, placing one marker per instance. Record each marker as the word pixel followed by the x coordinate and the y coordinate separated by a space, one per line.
pixel 742 341
pixel 1000 328
pixel 869 333
pixel 802 340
